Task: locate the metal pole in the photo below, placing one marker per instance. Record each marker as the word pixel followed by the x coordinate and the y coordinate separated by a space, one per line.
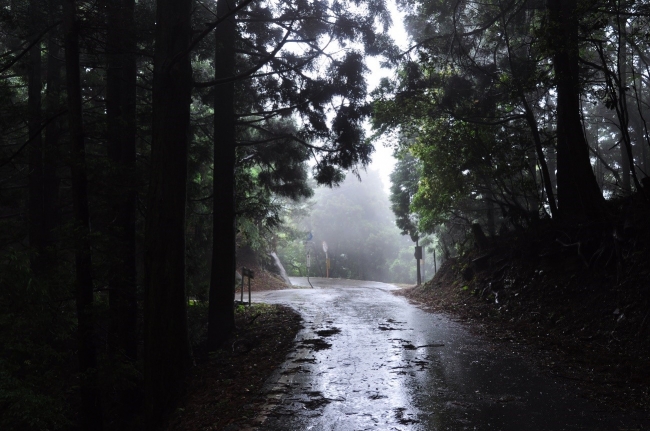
pixel 327 260
pixel 308 266
pixel 249 290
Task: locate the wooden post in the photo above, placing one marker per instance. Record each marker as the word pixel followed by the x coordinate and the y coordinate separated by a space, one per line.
pixel 327 265
pixel 243 274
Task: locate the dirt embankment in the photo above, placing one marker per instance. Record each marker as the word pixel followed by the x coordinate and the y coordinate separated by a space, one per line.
pixel 581 315
pixel 266 276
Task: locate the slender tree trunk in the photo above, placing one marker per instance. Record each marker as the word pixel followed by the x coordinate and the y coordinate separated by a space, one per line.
pixel 51 150
pixel 120 111
pixel 417 261
pixel 639 116
pixel 600 169
pixel 91 411
pixel 121 122
pixel 622 111
pixel 34 118
pixel 645 155
pixel 551 157
pixel 167 355
pixel 546 176
pixel 579 198
pixel 639 124
pixel 44 153
pixel 221 320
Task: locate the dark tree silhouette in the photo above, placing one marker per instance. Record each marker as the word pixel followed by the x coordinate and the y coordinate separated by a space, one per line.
pixel 166 343
pixel 579 197
pixel 91 410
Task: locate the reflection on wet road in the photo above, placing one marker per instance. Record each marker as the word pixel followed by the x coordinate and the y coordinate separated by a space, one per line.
pixel 368 360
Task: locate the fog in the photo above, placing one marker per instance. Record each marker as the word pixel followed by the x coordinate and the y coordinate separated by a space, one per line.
pixel 356 223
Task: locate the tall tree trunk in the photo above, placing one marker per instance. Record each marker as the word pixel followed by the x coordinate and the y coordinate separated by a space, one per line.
pixel 51 150
pixel 418 255
pixel 640 124
pixel 44 153
pixel 578 195
pixel 645 155
pixel 120 112
pixel 34 118
pixel 221 320
pixel 621 109
pixel 91 411
pixel 121 122
pixel 600 169
pixel 539 150
pixel 167 355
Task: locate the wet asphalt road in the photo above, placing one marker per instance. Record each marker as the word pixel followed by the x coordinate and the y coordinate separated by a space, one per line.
pixel 369 360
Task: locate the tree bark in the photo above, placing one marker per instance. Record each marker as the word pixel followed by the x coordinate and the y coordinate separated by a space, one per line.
pixel 121 123
pixel 221 319
pixel 44 152
pixel 579 197
pixel 546 176
pixel 120 112
pixel 627 155
pixel 167 355
pixel 418 277
pixel 51 150
pixel 34 118
pixel 91 411
pixel 640 125
pixel 622 108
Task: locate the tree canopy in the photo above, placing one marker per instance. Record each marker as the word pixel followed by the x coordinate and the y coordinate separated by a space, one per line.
pixel 172 131
pixel 518 107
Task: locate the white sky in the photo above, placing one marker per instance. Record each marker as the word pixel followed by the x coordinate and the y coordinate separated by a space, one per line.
pixel 382 158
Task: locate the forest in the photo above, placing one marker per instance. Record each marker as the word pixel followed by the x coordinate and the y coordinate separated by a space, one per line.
pixel 142 143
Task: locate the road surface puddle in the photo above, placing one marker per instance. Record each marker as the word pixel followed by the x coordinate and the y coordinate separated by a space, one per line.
pixel 316 344
pixel 328 332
